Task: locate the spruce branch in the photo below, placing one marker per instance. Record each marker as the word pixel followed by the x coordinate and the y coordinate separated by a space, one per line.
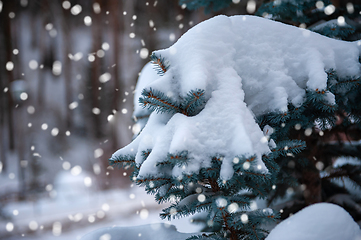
pixel 194 102
pixel 317 100
pixel 351 172
pixel 157 101
pixel 122 161
pixel 160 63
pixel 187 206
pixel 212 236
pixel 179 159
pixel 287 148
pixel 156 181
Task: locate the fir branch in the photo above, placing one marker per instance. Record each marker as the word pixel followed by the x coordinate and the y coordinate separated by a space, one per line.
pixel 214 185
pixel 276 118
pixel 226 218
pixel 271 165
pixel 161 65
pixel 124 160
pixel 316 99
pixel 156 180
pixel 209 5
pixel 157 101
pixel 161 198
pixel 146 153
pixel 240 199
pixel 238 166
pixel 173 191
pixel 349 83
pixel 192 206
pixel 285 148
pixel 255 174
pixel 334 30
pixel 164 163
pixel 179 159
pixel 194 102
pixel 336 173
pixel 212 236
pixel 349 171
pixel 251 159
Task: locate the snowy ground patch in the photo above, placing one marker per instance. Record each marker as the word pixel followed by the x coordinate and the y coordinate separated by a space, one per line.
pixel 319 221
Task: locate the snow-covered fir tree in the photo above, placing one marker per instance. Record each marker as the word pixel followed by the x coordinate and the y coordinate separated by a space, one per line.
pixel 227 97
pixel 329 134
pixel 315 175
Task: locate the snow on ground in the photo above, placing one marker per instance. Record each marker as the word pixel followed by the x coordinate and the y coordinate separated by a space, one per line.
pixel 67 204
pixel 73 214
pixel 319 221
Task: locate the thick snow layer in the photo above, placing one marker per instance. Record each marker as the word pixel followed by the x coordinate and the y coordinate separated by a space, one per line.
pixel 140 114
pixel 319 221
pixel 247 66
pixel 147 75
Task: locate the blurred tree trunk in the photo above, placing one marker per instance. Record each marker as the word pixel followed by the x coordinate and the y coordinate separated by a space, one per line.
pixel 7 46
pixel 3 96
pixel 3 103
pixel 3 149
pixel 95 69
pixel 16 141
pixel 42 49
pixel 66 68
pixel 20 117
pixel 117 29
pixel 33 6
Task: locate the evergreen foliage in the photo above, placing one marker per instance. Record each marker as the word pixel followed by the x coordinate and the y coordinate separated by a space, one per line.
pixel 161 65
pixel 305 142
pixel 209 5
pixel 319 16
pixel 157 101
pixel 225 201
pixel 324 132
pixel 312 128
pixel 329 132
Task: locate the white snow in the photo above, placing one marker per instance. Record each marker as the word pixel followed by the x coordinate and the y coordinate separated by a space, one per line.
pixel 157 231
pixel 248 66
pixel 81 210
pixel 319 221
pixel 147 75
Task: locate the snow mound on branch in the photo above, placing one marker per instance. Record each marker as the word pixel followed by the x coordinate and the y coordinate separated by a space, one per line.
pixel 274 62
pixel 140 114
pixel 319 221
pixel 247 66
pixel 147 75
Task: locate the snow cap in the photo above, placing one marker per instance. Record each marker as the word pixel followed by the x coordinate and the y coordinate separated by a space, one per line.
pixel 247 66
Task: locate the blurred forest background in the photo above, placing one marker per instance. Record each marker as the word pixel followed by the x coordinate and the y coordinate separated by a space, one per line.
pixel 68 71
